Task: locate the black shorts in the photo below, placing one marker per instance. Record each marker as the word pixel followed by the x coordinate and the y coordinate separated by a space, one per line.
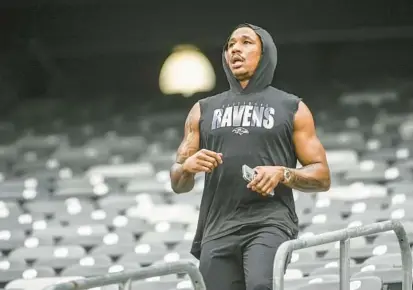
pixel 242 260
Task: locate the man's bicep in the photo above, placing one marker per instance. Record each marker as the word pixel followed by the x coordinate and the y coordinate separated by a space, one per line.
pixel 190 142
pixel 308 147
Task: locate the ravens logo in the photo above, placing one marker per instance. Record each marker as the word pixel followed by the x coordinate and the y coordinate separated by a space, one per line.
pixel 240 131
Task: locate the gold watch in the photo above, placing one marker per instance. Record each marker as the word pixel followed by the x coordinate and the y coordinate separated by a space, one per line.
pixel 287 175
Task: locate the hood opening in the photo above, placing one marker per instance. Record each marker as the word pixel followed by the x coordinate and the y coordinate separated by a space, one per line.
pixel 264 73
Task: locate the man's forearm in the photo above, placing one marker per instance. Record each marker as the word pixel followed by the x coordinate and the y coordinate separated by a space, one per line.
pixel 181 181
pixel 311 178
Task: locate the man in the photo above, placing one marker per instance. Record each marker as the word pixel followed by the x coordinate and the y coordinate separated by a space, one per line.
pixel 241 225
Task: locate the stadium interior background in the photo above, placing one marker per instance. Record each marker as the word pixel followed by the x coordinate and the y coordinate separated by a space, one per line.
pixel 79 88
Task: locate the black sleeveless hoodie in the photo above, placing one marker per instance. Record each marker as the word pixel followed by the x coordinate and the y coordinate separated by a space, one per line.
pixel 252 126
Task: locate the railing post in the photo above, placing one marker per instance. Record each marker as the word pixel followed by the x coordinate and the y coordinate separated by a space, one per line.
pixel 344 235
pixel 280 261
pixel 344 264
pixel 405 253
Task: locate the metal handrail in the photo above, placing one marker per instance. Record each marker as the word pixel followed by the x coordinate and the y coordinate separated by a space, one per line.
pixel 127 277
pixel 343 236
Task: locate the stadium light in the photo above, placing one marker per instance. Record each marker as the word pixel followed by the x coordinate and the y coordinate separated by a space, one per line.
pixel 186 71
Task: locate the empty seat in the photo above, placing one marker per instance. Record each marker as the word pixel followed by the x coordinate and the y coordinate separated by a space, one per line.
pixel 81 157
pixel 389 259
pixel 27 273
pixel 362 283
pixel 126 171
pixel 386 275
pixel 334 270
pixel 117 202
pixel 113 250
pixel 145 186
pixel 134 225
pixel 168 237
pixel 307 267
pixel 95 217
pixel 89 266
pixel 42 283
pixel 368 171
pixel 144 254
pixel 343 140
pixel 86 235
pixel 11 239
pixel 296 283
pixel 51 254
pixel 56 207
pixel 155 285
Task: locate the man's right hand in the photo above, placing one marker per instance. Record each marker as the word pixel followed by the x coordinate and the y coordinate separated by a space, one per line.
pixel 202 161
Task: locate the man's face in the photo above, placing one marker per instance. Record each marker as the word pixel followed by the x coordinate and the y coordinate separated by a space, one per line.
pixel 243 53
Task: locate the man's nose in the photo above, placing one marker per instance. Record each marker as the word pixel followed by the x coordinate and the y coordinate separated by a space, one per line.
pixel 236 48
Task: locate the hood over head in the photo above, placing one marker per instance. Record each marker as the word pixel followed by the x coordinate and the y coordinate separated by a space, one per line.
pixel 264 73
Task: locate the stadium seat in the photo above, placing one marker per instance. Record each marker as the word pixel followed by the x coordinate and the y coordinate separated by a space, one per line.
pixel 362 283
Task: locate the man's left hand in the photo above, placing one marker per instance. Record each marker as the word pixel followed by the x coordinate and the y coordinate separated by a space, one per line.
pixel 267 178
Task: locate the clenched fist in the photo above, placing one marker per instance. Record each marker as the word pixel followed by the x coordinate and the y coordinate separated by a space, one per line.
pixel 202 161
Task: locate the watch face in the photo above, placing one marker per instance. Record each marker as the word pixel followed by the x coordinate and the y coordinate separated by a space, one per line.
pixel 287 174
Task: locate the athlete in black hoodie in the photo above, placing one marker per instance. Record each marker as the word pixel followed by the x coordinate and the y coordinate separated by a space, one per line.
pixel 241 225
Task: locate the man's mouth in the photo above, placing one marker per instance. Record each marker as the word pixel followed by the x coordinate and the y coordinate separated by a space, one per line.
pixel 237 61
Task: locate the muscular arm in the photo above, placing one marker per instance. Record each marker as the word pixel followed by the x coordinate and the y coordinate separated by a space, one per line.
pixel 314 176
pixel 182 181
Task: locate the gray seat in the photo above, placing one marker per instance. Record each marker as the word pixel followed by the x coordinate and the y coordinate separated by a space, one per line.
pixel 168 237
pixel 52 254
pixel 9 210
pixel 42 145
pixel 368 171
pixel 85 235
pixel 145 254
pixel 293 284
pixel 307 267
pixel 81 157
pixel 341 161
pixel 23 222
pixel 123 172
pixel 145 186
pixel 370 216
pixel 89 266
pixel 154 285
pixel 361 283
pixel 57 207
pixel 390 259
pixel 12 263
pixel 382 155
pixel 116 202
pixel 330 206
pixel 364 252
pixel 11 239
pixel 386 275
pixel 45 283
pixel 95 217
pixel 113 250
pixel 343 140
pixel 144 259
pixel 134 225
pixel 28 273
pixel 334 270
